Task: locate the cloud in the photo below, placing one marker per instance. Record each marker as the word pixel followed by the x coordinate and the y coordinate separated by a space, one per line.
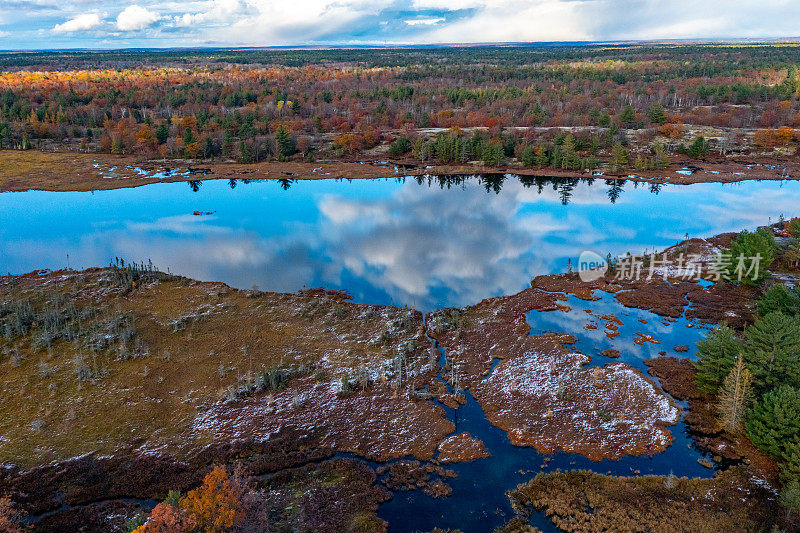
pixel 136 17
pixel 213 12
pixel 84 22
pixel 270 22
pixel 425 22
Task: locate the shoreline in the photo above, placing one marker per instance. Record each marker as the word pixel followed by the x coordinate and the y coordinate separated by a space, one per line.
pixel 79 172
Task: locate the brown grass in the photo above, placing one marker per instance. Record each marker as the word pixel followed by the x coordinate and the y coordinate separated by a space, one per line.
pixel 222 338
pixel 584 502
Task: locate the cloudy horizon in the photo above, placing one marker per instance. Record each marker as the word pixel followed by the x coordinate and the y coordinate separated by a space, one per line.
pixel 46 24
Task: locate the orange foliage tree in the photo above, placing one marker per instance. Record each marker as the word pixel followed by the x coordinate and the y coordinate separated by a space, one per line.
pixel 166 518
pixel 216 504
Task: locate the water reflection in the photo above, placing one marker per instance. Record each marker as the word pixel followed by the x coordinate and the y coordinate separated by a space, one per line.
pixel 427 241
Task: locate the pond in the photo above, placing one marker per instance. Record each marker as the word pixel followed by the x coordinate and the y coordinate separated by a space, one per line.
pixel 425 243
pixel 428 245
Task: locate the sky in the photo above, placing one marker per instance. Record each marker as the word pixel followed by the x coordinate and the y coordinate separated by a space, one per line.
pixel 47 24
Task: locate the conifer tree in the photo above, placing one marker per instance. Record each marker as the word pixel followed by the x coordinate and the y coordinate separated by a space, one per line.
pixel 619 157
pixel 774 422
pixel 716 356
pixel 734 397
pixel 772 351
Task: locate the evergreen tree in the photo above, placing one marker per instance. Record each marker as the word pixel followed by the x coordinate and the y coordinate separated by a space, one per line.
pixel 493 153
pixel 751 253
pixel 569 157
pixel 661 159
pixel 782 299
pixel 400 146
pixel 542 157
pixel 774 422
pixel 528 156
pixel 790 460
pixel 245 154
pixel 734 397
pixel 716 357
pixel 699 148
pixel 162 133
pixel 772 351
pixel 656 114
pixel 628 116
pixel 283 143
pixel 619 157
pixel 790 496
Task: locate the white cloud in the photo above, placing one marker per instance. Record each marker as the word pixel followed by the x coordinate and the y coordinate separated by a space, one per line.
pixel 511 21
pixel 424 22
pixel 212 12
pixel 136 17
pixel 271 22
pixel 83 22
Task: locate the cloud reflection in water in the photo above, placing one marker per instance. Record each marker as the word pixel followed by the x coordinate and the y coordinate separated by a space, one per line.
pixel 383 241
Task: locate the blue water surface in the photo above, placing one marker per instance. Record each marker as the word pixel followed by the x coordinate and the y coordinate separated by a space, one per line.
pixel 385 241
pixel 418 242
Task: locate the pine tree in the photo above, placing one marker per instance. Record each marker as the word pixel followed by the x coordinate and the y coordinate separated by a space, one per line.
pixel 661 159
pixel 716 356
pixel 656 114
pixel 790 460
pixel 790 497
pixel 782 299
pixel 774 422
pixel 283 143
pixel 528 156
pixel 619 157
pixel 628 115
pixel 734 397
pixel 569 157
pixel 744 249
pixel 772 351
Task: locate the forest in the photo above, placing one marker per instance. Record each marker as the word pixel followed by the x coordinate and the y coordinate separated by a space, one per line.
pixel 565 107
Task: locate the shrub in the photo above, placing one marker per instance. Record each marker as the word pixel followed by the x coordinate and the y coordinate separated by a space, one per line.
pixel 9 517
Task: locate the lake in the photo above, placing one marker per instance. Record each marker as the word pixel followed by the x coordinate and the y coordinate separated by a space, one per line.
pixel 425 243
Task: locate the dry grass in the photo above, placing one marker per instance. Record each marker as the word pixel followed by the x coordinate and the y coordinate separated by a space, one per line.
pixel 585 502
pixel 195 340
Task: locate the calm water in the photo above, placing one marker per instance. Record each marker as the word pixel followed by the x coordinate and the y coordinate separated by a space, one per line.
pixel 384 241
pixel 426 245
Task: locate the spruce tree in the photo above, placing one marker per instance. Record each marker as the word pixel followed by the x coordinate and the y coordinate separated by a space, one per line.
pixel 716 357
pixel 782 299
pixel 774 422
pixel 772 351
pixel 734 397
pixel 628 115
pixel 527 157
pixel 619 157
pixel 569 157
